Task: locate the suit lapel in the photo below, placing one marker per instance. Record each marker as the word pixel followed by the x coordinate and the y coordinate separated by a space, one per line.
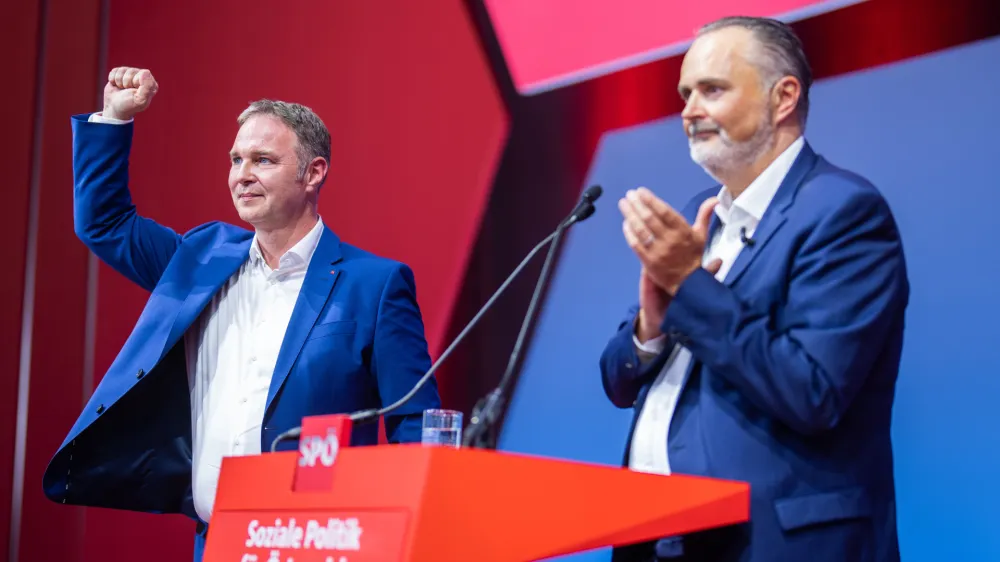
pixel 769 224
pixel 319 281
pixel 774 217
pixel 206 281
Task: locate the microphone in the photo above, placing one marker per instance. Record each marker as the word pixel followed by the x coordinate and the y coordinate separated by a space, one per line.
pixel 748 242
pixel 480 431
pixel 583 210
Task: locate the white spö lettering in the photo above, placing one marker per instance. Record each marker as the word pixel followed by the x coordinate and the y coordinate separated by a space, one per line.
pixel 318 448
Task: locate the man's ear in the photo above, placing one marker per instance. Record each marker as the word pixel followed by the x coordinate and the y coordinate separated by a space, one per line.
pixel 785 97
pixel 315 173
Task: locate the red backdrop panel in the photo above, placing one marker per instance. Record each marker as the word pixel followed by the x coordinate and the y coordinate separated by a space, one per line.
pixel 18 34
pixel 417 127
pixel 56 390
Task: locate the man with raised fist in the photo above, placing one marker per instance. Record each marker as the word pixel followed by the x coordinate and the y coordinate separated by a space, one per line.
pixel 245 331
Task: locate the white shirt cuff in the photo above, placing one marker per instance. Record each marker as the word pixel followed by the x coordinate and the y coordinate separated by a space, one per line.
pixel 653 347
pixel 98 118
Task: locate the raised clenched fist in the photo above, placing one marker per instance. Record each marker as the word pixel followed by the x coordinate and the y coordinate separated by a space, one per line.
pixel 128 92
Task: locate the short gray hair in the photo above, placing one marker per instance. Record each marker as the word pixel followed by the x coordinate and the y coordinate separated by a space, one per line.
pixel 782 53
pixel 310 131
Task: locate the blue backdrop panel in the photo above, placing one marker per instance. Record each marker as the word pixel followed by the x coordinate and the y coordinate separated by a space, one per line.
pixel 925 132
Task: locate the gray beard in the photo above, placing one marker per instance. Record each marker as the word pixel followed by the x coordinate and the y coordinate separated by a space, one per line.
pixel 728 156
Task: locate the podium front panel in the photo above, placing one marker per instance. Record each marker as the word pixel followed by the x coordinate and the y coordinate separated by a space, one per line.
pixel 308 536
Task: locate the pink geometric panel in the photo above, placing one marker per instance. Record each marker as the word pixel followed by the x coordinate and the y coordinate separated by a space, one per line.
pixel 551 43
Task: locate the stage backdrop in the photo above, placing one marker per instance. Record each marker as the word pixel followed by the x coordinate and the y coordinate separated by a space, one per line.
pixel 426 168
pixel 923 132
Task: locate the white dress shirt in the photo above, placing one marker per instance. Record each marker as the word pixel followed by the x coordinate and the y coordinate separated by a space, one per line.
pixel 649 441
pixel 231 350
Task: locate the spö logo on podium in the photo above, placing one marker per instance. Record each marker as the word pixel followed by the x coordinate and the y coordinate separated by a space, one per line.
pixel 318 448
pixel 319 443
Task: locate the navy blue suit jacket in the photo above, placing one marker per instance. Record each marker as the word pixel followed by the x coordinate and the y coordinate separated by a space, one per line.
pixel 795 359
pixel 355 340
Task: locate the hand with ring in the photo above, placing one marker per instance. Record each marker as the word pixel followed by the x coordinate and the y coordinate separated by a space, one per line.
pixel 667 246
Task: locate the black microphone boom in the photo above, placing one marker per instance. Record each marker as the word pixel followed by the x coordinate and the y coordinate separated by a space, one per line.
pixel 480 431
pixel 582 211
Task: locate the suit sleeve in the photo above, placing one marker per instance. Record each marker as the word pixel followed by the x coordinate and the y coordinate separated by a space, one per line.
pixel 623 371
pixel 104 217
pixel 804 363
pixel 400 357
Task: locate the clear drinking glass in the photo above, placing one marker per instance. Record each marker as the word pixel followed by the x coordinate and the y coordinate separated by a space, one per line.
pixel 442 427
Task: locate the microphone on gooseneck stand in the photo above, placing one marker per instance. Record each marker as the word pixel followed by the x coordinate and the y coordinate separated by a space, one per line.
pixel 480 432
pixel 583 210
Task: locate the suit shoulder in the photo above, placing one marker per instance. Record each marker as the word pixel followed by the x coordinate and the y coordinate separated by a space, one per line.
pixel 378 275
pixel 834 201
pixel 835 184
pixel 372 263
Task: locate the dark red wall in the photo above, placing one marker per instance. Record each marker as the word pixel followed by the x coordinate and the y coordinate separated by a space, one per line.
pixel 55 71
pixel 18 34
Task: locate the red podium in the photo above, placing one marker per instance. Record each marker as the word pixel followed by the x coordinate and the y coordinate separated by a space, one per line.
pixel 411 502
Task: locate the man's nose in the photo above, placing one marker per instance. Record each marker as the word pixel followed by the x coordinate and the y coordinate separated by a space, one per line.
pixel 245 175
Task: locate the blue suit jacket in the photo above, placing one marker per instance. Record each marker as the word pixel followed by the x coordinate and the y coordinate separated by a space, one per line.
pixel 355 340
pixel 795 359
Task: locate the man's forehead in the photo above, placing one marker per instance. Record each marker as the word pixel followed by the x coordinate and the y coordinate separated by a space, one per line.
pixel 259 131
pixel 262 124
pixel 717 54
